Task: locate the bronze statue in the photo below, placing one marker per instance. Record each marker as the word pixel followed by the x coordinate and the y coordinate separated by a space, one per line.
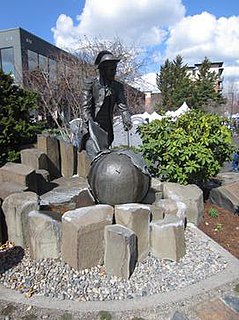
pixel 100 95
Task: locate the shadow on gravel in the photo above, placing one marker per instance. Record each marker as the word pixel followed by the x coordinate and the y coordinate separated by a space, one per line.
pixel 10 258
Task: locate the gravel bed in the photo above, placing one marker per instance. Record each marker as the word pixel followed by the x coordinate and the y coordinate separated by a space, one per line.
pixel 54 278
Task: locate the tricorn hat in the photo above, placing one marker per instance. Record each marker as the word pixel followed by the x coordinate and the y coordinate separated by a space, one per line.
pixel 104 56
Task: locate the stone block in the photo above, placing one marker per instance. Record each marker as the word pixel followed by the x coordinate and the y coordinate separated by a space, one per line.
pixel 155 192
pixel 176 208
pixel 83 235
pixel 120 251
pixel 51 147
pixel 44 184
pixel 65 198
pixel 34 158
pixel 19 174
pixel 136 217
pixel 16 208
pixel 7 188
pixel 226 196
pixel 157 213
pixel 68 159
pixel 45 234
pixel 84 198
pixel 83 164
pixel 191 195
pixel 167 238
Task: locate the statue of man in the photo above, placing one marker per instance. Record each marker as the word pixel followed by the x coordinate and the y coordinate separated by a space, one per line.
pixel 100 95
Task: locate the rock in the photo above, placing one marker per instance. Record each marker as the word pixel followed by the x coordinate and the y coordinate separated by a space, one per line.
pixel 68 159
pixel 191 195
pixel 19 174
pixel 172 207
pixel 120 251
pixel 7 188
pixel 157 213
pixel 50 146
pixel 226 196
pixel 16 208
pixel 136 217
pixel 227 177
pixel 34 158
pixel 45 235
pixel 83 164
pixel 69 195
pixel 84 198
pixel 167 238
pixel 83 235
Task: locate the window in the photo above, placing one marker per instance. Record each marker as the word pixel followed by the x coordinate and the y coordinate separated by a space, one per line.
pixel 43 63
pixel 7 60
pixel 52 69
pixel 32 60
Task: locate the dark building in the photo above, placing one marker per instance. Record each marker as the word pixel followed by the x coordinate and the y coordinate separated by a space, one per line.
pixel 20 51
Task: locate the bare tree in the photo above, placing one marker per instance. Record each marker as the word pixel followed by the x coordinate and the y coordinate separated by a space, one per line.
pixel 60 87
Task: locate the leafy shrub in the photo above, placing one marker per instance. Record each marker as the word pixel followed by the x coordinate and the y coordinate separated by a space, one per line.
pixel 191 149
pixel 16 126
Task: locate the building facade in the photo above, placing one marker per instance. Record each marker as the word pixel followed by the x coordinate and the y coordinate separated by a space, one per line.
pixel 22 51
pixel 216 67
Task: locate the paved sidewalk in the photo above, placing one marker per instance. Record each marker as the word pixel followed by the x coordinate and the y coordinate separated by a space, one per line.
pixel 215 298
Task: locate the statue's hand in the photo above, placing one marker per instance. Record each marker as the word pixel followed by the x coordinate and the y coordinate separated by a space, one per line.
pixel 127 121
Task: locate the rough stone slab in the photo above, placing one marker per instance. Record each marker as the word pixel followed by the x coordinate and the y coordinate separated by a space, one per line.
pixel 68 159
pixel 216 309
pixel 84 198
pixel 167 238
pixel 19 174
pixel 50 146
pixel 226 196
pixel 83 164
pixel 191 195
pixel 65 198
pixel 45 234
pixel 16 208
pixel 155 192
pixel 228 177
pixel 157 213
pixel 83 235
pixel 74 181
pixel 172 207
pixel 7 188
pixel 136 217
pixel 34 158
pixel 120 251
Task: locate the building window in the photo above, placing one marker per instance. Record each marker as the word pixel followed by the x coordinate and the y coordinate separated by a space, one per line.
pixel 32 60
pixel 43 63
pixel 7 60
pixel 52 69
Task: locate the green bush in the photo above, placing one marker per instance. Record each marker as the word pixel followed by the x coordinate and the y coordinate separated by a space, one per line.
pixel 191 149
pixel 16 125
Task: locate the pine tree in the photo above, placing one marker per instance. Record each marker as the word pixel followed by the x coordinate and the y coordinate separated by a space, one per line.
pixel 176 87
pixel 16 126
pixel 174 84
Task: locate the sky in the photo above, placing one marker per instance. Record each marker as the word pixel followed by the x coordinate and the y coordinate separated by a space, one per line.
pixel 162 28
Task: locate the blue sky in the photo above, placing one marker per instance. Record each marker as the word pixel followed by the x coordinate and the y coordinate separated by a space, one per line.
pixel 192 28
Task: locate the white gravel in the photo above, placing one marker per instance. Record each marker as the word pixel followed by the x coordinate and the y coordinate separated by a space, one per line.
pixel 54 278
